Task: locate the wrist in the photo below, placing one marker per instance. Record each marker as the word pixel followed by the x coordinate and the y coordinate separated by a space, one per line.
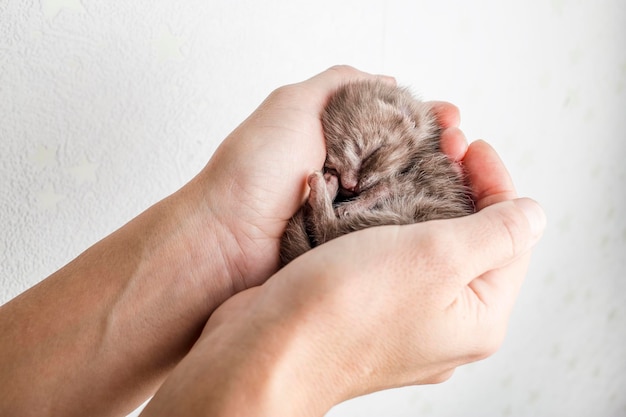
pixel 248 251
pixel 249 361
pixel 131 306
pixel 202 246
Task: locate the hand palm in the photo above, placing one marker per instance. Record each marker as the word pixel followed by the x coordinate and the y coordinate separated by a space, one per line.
pixel 261 168
pixel 259 173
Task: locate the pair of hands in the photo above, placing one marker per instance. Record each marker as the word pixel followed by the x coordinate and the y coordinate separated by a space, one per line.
pixel 375 309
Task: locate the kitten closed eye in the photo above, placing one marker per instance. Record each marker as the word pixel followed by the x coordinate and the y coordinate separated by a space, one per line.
pixel 384 154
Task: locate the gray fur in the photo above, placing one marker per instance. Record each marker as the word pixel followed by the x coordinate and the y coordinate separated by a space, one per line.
pixel 383 166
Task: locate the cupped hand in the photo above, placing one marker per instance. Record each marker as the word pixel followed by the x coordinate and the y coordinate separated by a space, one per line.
pixel 379 308
pixel 256 179
pixel 392 306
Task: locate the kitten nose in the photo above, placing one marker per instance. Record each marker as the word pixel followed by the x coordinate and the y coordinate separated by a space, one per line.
pixel 350 184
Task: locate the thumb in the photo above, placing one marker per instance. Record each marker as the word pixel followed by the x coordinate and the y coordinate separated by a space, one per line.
pixel 499 234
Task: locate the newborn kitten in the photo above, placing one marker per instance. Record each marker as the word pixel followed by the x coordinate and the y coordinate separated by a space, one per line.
pixel 383 166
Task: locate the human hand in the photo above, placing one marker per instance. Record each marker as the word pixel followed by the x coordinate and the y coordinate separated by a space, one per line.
pixel 256 180
pixel 375 309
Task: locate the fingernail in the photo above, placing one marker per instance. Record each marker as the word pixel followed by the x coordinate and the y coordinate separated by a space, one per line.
pixel 535 215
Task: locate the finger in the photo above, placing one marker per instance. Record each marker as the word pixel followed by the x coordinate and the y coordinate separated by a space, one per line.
pixel 496 236
pixel 453 143
pixel 331 79
pixel 489 178
pixel 447 114
pixel 492 289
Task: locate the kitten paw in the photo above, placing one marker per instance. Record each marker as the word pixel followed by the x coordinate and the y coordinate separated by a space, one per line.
pixel 343 210
pixel 332 185
pixel 360 203
pixel 319 197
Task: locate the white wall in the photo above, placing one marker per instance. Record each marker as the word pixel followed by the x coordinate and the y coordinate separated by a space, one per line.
pixel 108 106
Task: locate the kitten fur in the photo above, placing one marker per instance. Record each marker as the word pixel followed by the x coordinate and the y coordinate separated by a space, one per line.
pixel 383 166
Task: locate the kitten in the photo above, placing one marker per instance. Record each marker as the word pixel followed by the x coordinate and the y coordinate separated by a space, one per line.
pixel 383 166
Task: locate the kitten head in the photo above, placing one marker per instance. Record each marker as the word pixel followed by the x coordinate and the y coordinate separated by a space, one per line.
pixel 370 131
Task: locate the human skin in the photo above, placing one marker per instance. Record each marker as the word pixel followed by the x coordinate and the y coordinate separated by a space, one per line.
pixel 101 334
pixel 376 309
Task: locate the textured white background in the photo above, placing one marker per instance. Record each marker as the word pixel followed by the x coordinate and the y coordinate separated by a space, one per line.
pixel 108 106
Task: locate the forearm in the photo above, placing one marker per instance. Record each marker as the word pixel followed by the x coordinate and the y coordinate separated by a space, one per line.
pixel 251 361
pixel 99 335
pixel 393 306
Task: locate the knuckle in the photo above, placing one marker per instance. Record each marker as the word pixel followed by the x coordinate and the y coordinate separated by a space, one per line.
pixel 289 95
pixel 515 226
pixel 438 239
pixel 442 377
pixel 343 69
pixel 284 92
pixel 439 247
